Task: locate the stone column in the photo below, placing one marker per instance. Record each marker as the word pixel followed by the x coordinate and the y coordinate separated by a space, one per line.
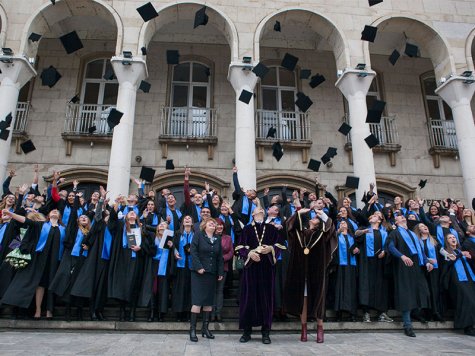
pixel 457 92
pixel 129 77
pixel 354 84
pixel 245 153
pixel 16 72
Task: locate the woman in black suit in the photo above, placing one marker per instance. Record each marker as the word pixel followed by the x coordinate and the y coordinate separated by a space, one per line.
pixel 208 266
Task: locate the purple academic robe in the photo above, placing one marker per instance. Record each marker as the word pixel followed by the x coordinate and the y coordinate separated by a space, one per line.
pixel 256 303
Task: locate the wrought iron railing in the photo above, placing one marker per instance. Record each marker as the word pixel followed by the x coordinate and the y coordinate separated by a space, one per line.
pixel 386 131
pixel 188 122
pixel 21 118
pixel 442 134
pixel 81 117
pixel 289 125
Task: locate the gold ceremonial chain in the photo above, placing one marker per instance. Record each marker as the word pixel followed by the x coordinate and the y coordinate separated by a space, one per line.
pixel 257 235
pixel 307 247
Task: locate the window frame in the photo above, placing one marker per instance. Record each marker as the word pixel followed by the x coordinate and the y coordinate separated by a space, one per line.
pixel 441 104
pixel 101 81
pixel 279 89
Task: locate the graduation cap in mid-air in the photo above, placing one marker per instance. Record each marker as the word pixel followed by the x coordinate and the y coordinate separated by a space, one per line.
pixel 109 74
pixel 289 62
pixel 316 80
pixel 271 132
pixel 371 141
pixel 260 70
pixel 375 112
pixel 114 118
pixel 331 153
pixel 303 102
pixel 422 183
pixel 34 37
pixel 277 151
pixel 277 26
pixel 201 19
pixel 147 174
pixel 27 147
pixel 169 164
pixel 374 2
pixel 71 42
pixel 50 76
pixel 147 12
pixel 92 129
pixel 173 56
pixel 75 99
pixel 246 96
pixel 4 133
pixel 411 50
pixel 394 57
pixel 344 129
pixel 53 2
pixel 145 86
pixel 5 124
pixel 305 73
pixel 352 182
pixel 314 165
pixel 144 51
pixel 369 33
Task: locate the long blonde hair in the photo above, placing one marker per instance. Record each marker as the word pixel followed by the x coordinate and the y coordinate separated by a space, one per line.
pixel 3 203
pixel 85 229
pixel 417 231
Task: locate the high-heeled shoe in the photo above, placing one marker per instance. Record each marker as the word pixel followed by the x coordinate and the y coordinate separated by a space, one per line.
pixel 204 329
pixel 320 334
pixel 193 336
pixel 303 335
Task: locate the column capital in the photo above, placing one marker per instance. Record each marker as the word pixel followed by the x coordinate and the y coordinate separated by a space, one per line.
pixel 354 82
pixel 241 76
pixel 457 90
pixel 15 69
pixel 129 70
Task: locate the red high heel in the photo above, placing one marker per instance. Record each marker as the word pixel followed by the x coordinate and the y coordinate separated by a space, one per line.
pixel 320 334
pixel 303 335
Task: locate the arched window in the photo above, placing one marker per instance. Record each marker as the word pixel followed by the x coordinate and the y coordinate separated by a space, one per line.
pixel 190 100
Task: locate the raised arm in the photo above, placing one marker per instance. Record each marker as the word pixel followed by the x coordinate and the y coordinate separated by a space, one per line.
pixel 237 186
pixel 186 187
pixel 6 183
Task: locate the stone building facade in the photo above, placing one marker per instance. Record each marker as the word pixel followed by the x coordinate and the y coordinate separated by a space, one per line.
pixel 192 113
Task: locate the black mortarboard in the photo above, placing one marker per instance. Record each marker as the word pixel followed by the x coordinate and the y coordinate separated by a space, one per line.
pixel 34 37
pixel 331 152
pixel 369 33
pixel 200 17
pixel 277 151
pixel 325 159
pixel 53 2
pixel 373 116
pixel 372 141
pixel 344 129
pixel 271 133
pixel 289 62
pixel 27 147
pixel 169 164
pixel 5 124
pixel 316 80
pixel 92 129
pixel 422 183
pixel 394 57
pixel 374 2
pixel 71 42
pixel 305 73
pixel 74 99
pixel 4 134
pixel 303 102
pixel 245 96
pixel 145 86
pixel 260 70
pixel 147 174
pixel 411 50
pixel 352 182
pixel 144 51
pixel 378 105
pixel 50 76
pixel 109 74
pixel 114 118
pixel 207 72
pixel 277 26
pixel 173 57
pixel 147 12
pixel 314 165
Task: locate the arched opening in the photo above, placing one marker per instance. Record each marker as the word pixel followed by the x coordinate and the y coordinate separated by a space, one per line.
pixel 89 180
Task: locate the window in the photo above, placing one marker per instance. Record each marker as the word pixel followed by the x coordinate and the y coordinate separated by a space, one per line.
pixel 98 96
pixel 190 100
pixel 374 93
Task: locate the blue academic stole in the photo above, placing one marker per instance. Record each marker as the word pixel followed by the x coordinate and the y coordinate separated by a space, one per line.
pixel 185 239
pixel 431 251
pixel 198 212
pixel 3 227
pixel 441 237
pixel 170 214
pixel 66 215
pixel 370 241
pixel 162 257
pixel 45 229
pixel 106 246
pixel 459 268
pixel 416 248
pixel 246 207
pixel 292 209
pixel 222 217
pixel 343 252
pixel 77 244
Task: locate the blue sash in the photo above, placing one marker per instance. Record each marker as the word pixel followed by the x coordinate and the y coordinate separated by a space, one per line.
pixel 170 214
pixel 3 227
pixel 45 229
pixel 106 246
pixel 415 250
pixel 77 244
pixel 342 250
pixel 431 250
pixel 461 273
pixel 185 239
pixel 222 217
pixel 370 241
pixel 66 214
pixel 245 208
pixel 162 256
pixel 313 214
pixel 471 238
pixel 441 237
pixel 355 225
pixel 198 212
pixel 293 209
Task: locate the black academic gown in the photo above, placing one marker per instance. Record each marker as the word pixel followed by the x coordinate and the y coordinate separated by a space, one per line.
pixel 346 292
pixel 433 280
pixel 469 245
pixel 149 249
pixel 7 272
pixel 181 293
pixel 161 285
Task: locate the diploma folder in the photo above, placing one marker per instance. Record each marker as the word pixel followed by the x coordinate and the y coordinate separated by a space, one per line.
pixel 131 240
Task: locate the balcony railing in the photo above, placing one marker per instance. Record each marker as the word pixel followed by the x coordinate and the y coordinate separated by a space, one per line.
pixel 81 117
pixel 442 134
pixel 21 118
pixel 188 123
pixel 290 126
pixel 386 131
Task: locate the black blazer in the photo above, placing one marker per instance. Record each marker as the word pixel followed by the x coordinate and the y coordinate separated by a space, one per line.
pixel 207 255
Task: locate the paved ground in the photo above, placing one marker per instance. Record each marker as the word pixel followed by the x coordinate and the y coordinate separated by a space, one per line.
pixel 115 343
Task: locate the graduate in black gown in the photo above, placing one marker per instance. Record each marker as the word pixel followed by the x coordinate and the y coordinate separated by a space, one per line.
pixel 372 282
pixel 346 292
pixel 91 281
pixel 469 244
pixel 9 231
pixel 458 278
pixel 171 214
pixel 409 262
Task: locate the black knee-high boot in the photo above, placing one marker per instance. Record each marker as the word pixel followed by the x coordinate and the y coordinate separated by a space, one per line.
pixel 193 319
pixel 204 330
